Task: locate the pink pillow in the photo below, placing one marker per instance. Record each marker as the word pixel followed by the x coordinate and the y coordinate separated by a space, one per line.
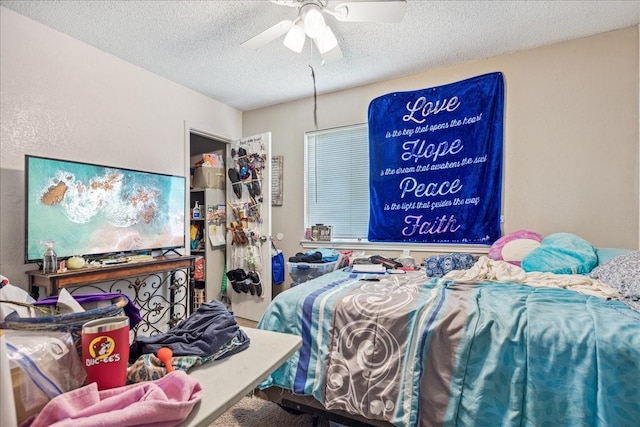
pixel 513 247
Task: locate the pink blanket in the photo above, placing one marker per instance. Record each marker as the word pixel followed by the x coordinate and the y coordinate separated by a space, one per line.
pixel 164 402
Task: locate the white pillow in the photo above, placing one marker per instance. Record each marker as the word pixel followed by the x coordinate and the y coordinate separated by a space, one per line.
pixel 516 250
pixel 514 247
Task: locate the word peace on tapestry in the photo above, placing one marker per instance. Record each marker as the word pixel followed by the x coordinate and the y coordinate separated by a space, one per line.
pixel 436 163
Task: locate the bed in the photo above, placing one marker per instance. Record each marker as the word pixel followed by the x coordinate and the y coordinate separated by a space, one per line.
pixel 461 350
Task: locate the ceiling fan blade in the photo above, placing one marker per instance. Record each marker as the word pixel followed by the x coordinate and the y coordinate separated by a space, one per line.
pixel 268 35
pixel 333 55
pixel 370 11
pixel 289 3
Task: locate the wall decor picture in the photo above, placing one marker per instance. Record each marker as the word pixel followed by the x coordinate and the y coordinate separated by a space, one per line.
pixel 435 163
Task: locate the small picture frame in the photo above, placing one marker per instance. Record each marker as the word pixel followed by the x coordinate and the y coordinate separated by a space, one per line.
pixel 321 233
pixel 276 180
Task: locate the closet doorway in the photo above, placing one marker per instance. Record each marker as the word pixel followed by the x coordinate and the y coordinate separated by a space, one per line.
pixel 207 223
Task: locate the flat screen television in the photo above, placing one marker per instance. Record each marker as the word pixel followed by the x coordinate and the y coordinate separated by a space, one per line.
pixel 95 210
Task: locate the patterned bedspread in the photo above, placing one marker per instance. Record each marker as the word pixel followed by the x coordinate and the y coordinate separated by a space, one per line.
pixel 426 352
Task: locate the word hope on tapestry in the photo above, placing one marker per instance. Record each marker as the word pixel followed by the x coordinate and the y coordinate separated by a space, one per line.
pixel 435 163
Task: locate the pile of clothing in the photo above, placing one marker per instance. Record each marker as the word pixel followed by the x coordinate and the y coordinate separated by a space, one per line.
pixel 154 396
pixel 317 256
pixel 211 333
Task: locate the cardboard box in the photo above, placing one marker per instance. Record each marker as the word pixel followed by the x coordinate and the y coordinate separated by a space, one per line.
pixel 208 177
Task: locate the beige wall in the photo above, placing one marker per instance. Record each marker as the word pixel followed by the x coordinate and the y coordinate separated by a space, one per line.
pixel 65 99
pixel 571 137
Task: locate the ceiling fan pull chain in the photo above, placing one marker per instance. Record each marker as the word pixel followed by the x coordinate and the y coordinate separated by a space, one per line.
pixel 315 98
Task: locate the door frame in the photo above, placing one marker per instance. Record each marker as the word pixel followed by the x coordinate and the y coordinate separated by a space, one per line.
pixel 201 130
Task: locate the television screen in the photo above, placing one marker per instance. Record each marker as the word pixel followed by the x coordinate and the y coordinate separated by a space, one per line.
pixel 92 210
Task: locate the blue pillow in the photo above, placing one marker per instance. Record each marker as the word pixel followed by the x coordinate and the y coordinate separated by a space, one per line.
pixel 439 265
pixel 622 273
pixel 562 253
pixel 605 254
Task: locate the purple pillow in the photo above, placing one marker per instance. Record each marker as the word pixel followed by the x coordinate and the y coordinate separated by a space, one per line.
pixel 513 247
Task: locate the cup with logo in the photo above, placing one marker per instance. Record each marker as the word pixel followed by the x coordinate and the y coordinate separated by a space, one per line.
pixel 105 351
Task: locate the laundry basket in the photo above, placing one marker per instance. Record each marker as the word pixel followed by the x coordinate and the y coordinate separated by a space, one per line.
pixel 71 322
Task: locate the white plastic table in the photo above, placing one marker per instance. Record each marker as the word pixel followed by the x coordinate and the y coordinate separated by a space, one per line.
pixel 225 382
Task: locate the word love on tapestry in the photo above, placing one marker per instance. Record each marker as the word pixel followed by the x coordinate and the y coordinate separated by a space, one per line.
pixel 436 163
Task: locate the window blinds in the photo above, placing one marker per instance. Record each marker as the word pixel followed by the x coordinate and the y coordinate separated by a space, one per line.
pixel 337 180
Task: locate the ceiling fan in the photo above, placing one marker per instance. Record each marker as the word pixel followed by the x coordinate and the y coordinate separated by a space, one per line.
pixel 311 23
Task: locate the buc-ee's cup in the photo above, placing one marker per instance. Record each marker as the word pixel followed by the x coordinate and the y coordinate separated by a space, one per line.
pixel 105 351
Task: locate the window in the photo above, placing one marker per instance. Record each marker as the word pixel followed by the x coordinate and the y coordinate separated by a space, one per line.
pixel 337 181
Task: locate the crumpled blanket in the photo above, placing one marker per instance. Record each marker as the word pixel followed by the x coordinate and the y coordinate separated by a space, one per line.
pixel 502 271
pixel 201 334
pixel 165 402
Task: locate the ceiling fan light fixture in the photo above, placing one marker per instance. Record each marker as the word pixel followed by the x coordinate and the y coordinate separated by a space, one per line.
pixel 326 41
pixel 314 24
pixel 295 38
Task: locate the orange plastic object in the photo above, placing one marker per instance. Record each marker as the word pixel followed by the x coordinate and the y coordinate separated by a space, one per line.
pixel 165 354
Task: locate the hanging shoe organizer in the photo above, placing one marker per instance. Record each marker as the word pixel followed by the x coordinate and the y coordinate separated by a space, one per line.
pixel 245 204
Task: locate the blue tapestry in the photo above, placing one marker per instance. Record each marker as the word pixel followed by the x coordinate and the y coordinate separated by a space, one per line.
pixel 435 163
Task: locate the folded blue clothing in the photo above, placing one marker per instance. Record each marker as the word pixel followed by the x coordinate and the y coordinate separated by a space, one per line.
pixel 201 334
pixel 319 255
pixel 328 255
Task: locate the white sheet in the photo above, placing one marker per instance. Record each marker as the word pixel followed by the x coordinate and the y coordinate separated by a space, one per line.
pixel 502 271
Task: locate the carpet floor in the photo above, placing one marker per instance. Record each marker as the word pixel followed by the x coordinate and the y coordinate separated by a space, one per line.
pixel 256 412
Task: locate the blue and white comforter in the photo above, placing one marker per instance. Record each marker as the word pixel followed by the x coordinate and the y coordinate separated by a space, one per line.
pixel 427 352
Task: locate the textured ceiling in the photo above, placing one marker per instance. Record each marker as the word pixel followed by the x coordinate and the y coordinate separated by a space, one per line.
pixel 197 43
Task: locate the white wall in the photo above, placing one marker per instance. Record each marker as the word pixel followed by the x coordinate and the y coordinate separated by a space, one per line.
pixel 65 99
pixel 571 137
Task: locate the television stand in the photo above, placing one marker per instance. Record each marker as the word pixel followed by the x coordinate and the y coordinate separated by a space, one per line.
pixel 144 282
pixel 171 250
